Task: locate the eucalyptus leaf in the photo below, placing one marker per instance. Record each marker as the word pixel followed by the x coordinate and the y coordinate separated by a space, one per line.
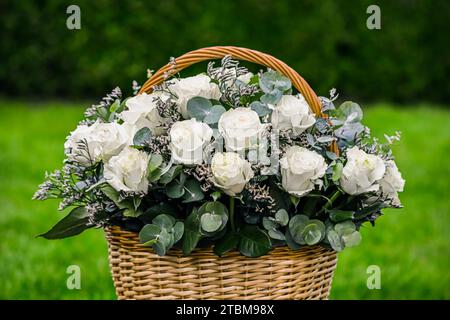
pixel 282 217
pixel 142 136
pixel 149 234
pixel 199 108
pixel 155 161
pixel 350 112
pixel 193 191
pixel 337 172
pixel 269 224
pixel 175 189
pixel 260 108
pixel 178 230
pixel 290 241
pixel 164 221
pixel 211 222
pixel 335 240
pixel 276 234
pixel 213 115
pixel 345 227
pixel 313 232
pixel 351 240
pixel 171 174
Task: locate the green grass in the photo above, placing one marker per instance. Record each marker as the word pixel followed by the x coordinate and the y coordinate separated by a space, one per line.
pixel 411 246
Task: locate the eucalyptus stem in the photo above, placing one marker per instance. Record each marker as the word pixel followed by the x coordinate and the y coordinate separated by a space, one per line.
pixel 330 202
pixel 233 227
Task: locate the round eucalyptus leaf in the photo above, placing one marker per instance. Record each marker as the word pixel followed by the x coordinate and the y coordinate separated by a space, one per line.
pixel 345 227
pixel 269 224
pixel 178 230
pixel 350 112
pixel 282 217
pixel 260 108
pixel 142 136
pixel 352 240
pixel 175 189
pixel 213 115
pixel 160 248
pixel 149 233
pixel 335 240
pixel 211 222
pixel 198 108
pixel 276 234
pixel 312 234
pixel 164 221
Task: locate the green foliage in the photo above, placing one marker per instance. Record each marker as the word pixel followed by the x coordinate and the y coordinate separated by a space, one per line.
pixel 253 241
pixel 162 233
pixel 306 231
pixel 72 224
pixel 141 137
pixel 203 110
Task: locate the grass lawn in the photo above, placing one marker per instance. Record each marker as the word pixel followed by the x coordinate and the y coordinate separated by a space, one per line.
pixel 411 246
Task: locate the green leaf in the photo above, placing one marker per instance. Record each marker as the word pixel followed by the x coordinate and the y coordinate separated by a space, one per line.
pixel 72 224
pixel 309 207
pixel 164 221
pixel 337 171
pixel 339 215
pixel 115 106
pixel 269 224
pixel 192 234
pixel 216 195
pixel 171 174
pixel 350 112
pixel 335 240
pixel 211 222
pixel 149 234
pixel 214 114
pixel 352 240
pixel 193 191
pixel 253 242
pixel 260 108
pixel 216 209
pixel 178 230
pixel 290 241
pixel 271 80
pixel 346 227
pixel 272 98
pixel 228 242
pixel 276 234
pixel 175 189
pixel 199 108
pixel 142 136
pixel 313 232
pixel 155 161
pixel 282 217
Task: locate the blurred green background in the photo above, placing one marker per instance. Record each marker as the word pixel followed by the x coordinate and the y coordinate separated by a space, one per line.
pixel 399 74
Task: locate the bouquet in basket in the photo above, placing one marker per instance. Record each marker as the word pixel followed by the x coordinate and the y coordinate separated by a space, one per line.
pixel 227 159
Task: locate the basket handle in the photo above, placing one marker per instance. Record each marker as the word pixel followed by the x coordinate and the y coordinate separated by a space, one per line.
pixel 249 55
pixel 254 56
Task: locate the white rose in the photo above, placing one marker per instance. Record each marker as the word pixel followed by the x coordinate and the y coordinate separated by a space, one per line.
pixel 187 140
pixel 142 112
pixel 104 140
pixel 230 172
pixel 241 128
pixel 292 112
pixel 392 181
pixel 361 172
pixel 128 171
pixel 301 170
pixel 197 86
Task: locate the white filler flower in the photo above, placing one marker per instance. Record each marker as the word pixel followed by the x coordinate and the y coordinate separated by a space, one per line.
pixel 197 86
pixel 292 113
pixel 231 172
pixel 103 140
pixel 241 128
pixel 128 171
pixel 301 170
pixel 187 140
pixel 361 172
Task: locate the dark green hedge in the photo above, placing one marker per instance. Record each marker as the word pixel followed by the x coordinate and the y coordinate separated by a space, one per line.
pixel 326 41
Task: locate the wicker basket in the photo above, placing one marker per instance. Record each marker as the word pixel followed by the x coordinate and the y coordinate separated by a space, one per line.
pixel 139 273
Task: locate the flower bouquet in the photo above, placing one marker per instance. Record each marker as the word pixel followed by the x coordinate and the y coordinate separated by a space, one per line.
pixel 225 160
